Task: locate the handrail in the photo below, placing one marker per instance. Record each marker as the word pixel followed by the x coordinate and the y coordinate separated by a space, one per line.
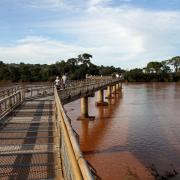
pixel 78 166
pixel 9 102
pixel 80 88
pixel 74 164
pixel 13 99
pixel 9 91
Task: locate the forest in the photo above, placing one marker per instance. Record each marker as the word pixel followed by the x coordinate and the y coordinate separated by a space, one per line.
pixel 78 68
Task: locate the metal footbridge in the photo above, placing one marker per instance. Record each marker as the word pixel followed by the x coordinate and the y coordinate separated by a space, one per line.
pixel 37 140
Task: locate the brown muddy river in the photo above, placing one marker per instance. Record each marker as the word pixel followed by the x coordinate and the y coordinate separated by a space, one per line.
pixel 139 129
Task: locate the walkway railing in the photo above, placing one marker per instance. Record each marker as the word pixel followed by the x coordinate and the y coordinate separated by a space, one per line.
pixel 16 97
pixel 88 86
pixel 10 102
pixel 9 91
pixel 73 162
pixel 37 91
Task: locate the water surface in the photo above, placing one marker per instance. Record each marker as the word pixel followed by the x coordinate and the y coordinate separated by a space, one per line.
pixel 140 127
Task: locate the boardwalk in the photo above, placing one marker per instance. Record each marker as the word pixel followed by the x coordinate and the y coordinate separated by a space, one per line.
pixel 27 142
pixel 37 140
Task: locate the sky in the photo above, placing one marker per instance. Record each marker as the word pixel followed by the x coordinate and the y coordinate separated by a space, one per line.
pixel 122 33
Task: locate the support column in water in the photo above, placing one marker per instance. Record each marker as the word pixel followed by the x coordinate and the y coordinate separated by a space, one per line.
pixel 109 92
pixel 84 107
pixel 114 89
pixel 117 87
pixel 84 110
pixel 101 101
pixel 120 84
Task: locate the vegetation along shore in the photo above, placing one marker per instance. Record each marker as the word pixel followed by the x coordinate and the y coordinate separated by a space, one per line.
pixel 78 68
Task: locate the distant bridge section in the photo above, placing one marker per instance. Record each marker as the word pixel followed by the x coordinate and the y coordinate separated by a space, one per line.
pixel 87 88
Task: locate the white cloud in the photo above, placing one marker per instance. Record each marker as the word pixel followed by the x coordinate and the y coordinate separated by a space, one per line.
pixel 57 5
pixel 98 2
pixel 46 3
pixel 39 50
pixel 121 36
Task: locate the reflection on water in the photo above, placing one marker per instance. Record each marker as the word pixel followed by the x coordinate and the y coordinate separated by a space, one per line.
pixel 140 127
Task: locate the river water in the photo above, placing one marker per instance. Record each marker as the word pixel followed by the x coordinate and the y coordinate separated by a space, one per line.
pixel 139 129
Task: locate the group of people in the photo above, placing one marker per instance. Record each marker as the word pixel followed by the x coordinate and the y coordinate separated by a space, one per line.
pixel 116 75
pixel 61 83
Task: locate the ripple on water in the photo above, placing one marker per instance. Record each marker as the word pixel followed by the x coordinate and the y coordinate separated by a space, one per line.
pixel 139 128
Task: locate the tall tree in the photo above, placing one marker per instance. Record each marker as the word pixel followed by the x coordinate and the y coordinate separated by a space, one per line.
pixel 175 61
pixel 84 58
pixel 154 66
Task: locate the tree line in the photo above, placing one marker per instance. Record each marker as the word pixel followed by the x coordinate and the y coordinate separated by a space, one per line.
pixel 78 68
pixel 164 71
pixel 75 68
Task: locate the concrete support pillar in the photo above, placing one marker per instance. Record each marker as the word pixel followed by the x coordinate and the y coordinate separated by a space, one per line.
pixel 84 110
pixel 101 95
pixel 101 101
pixel 84 107
pixel 109 92
pixel 114 89
pixel 120 85
pixel 117 87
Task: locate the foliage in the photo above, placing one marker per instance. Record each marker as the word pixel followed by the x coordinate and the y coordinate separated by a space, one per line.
pixel 78 68
pixel 175 61
pixel 154 67
pixel 156 71
pixel 75 68
pixel 135 75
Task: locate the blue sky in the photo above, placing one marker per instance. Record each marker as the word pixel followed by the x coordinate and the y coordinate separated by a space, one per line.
pixel 123 33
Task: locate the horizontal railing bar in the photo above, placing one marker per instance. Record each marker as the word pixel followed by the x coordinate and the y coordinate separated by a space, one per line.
pixel 27 153
pixel 22 131
pixel 30 137
pixel 28 124
pixel 2 127
pixel 27 165
pixel 10 95
pixel 22 145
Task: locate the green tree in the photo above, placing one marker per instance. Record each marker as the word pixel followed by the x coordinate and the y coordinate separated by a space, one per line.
pixel 134 75
pixel 14 73
pixel 72 61
pixel 165 67
pixel 45 73
pixel 25 72
pixel 175 61
pixel 154 66
pixel 84 58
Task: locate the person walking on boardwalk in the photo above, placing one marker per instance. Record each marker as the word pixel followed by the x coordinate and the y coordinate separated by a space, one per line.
pixel 57 83
pixel 64 80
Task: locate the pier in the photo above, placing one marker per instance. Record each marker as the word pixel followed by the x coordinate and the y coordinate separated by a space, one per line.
pixel 37 139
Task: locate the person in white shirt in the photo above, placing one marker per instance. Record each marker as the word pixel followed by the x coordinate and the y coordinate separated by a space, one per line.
pixel 57 83
pixel 64 80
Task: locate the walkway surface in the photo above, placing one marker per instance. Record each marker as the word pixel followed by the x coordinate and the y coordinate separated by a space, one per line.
pixel 28 142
